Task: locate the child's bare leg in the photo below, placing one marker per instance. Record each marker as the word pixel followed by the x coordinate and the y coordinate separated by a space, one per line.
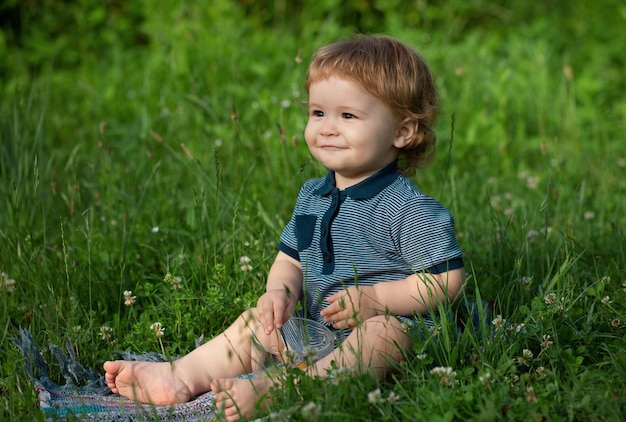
pixel 225 356
pixel 374 346
pixel 238 397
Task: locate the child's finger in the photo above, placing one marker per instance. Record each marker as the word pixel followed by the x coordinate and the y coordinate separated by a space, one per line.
pixel 279 314
pixel 334 297
pixel 330 309
pixel 266 318
pixel 331 313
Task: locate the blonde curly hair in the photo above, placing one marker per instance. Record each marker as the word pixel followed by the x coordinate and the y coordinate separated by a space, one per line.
pixel 395 74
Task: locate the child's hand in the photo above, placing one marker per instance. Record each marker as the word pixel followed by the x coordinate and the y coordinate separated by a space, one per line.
pixel 274 308
pixel 349 306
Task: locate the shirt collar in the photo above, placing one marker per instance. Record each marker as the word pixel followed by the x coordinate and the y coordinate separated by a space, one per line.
pixel 365 189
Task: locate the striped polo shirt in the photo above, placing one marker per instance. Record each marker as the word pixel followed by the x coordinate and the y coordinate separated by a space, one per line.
pixel 381 229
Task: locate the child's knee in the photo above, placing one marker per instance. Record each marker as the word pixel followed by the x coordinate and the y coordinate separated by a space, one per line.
pixel 385 327
pixel 387 335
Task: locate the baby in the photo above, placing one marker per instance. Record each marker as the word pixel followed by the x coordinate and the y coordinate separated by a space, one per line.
pixel 365 250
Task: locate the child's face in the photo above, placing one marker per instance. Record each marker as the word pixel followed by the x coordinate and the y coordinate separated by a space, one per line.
pixel 350 131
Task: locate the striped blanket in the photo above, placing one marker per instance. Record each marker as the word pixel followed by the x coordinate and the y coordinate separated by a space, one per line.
pixel 86 397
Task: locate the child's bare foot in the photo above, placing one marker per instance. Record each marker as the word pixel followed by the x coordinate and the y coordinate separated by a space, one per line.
pixel 237 398
pixel 146 382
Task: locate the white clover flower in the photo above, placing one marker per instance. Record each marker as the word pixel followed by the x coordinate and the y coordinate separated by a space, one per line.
pixel 311 411
pixel 495 201
pixel 392 397
pixel 606 300
pixel 532 182
pixel 445 374
pixel 606 279
pixel 526 280
pixel 245 263
pixel 546 342
pixel 550 299
pixel 158 329
pixel 421 356
pixel 498 322
pixel 375 397
pixel 589 215
pixel 511 328
pixel 531 397
pixel 615 323
pixel 129 299
pixel 527 356
pixel 281 415
pixel 485 378
pixel 513 379
pixel 8 284
pixel 343 373
pixel 106 332
pixel 177 283
pixel 435 330
pixel 155 229
pixel 532 236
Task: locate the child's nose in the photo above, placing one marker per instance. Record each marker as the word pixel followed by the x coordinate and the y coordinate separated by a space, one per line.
pixel 328 128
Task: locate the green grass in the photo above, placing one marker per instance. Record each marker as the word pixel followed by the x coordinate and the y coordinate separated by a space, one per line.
pixel 172 142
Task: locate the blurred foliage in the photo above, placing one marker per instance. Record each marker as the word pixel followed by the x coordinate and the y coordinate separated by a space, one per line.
pixel 64 34
pixel 67 32
pixel 40 35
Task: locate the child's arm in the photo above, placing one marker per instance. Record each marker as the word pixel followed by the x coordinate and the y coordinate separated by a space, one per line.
pixel 418 293
pixel 284 284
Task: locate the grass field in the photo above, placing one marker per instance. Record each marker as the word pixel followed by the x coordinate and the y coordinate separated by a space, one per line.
pixel 145 139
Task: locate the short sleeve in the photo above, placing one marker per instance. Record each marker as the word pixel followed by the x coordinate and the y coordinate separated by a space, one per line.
pixel 288 240
pixel 423 230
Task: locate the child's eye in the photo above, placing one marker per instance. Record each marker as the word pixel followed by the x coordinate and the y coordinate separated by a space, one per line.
pixel 348 116
pixel 317 113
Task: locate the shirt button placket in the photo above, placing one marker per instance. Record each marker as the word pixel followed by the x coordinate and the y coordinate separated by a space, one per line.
pixel 325 240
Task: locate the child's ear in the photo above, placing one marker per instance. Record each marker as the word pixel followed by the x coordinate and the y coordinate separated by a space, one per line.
pixel 407 133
